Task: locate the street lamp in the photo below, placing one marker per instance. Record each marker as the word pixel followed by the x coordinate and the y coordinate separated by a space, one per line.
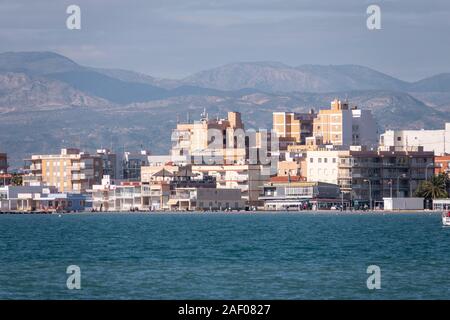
pixel 370 191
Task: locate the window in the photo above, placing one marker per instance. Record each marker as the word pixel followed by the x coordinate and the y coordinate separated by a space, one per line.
pixel 320 160
pixel 325 160
pixel 399 138
pixel 311 160
pixel 334 160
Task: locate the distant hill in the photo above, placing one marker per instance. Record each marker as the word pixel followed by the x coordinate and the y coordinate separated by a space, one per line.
pixel 437 83
pixel 277 77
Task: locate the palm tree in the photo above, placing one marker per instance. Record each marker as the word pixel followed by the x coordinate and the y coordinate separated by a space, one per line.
pixel 435 188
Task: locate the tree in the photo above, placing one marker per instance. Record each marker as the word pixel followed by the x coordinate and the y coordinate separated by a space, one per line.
pixel 435 188
pixel 16 179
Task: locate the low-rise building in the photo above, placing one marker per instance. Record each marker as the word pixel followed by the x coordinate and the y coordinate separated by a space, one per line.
pixel 293 193
pixel 125 196
pixel 40 198
pixel 198 199
pixel 247 178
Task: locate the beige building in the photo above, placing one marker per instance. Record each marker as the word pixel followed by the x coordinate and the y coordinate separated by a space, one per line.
pixel 342 125
pixel 211 140
pixel 69 171
pixel 292 126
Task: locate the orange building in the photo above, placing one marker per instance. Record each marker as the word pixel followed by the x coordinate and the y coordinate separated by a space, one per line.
pixel 441 165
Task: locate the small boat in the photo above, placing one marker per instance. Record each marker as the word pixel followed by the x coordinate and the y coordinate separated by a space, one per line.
pixel 446 218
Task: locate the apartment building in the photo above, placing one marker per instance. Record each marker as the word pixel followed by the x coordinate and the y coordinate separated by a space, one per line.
pixel 437 141
pixel 125 196
pixel 69 171
pixel 364 174
pixel 293 126
pixel 211 140
pixel 342 125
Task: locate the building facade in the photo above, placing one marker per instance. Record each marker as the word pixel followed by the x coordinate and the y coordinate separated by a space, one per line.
pixel 293 126
pixel 365 174
pixel 246 178
pixel 437 141
pixel 191 199
pixel 69 171
pixel 342 125
pixel 292 193
pixel 213 141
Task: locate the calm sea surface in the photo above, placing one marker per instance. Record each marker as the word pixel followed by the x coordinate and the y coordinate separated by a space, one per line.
pixel 224 256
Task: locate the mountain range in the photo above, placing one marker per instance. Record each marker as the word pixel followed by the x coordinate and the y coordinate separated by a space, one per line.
pixel 48 101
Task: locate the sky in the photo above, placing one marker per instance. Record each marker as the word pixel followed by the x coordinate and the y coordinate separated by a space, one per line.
pixel 175 38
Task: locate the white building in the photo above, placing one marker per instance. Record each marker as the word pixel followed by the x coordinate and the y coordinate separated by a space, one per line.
pixel 437 141
pixel 323 166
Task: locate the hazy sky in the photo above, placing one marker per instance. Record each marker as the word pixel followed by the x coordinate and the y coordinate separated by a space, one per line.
pixel 173 38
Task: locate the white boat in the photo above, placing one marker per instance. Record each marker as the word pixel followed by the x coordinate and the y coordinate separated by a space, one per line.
pixel 446 218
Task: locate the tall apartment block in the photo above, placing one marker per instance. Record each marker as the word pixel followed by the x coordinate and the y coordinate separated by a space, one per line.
pixel 342 125
pixel 69 171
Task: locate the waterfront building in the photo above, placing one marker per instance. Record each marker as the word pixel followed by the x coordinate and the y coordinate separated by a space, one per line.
pixel 248 178
pixel 366 174
pixel 39 197
pixel 125 196
pixel 293 193
pixel 195 198
pixel 293 127
pixel 437 141
pixel 342 125
pixel 69 171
